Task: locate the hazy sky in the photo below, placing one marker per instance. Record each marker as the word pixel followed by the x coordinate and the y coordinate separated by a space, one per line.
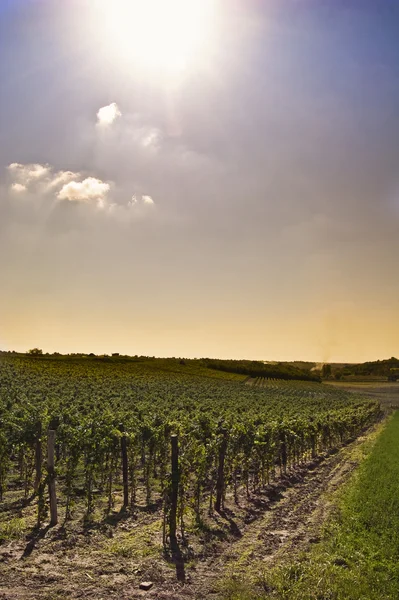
pixel 240 202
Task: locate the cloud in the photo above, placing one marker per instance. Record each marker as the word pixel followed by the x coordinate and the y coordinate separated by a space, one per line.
pixel 48 187
pixel 37 176
pixel 149 137
pixel 108 114
pixel 85 191
pixel 134 202
pixel 61 178
pixel 27 173
pixel 135 209
pixel 18 187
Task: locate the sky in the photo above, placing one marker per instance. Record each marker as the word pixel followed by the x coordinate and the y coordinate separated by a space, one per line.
pixel 216 181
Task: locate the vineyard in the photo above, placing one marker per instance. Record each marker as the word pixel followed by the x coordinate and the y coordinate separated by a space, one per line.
pixel 165 441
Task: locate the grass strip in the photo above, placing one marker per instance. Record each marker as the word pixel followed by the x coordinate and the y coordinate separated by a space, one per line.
pixel 358 555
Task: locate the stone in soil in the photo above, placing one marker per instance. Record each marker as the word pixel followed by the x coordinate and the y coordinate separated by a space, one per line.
pixel 146 585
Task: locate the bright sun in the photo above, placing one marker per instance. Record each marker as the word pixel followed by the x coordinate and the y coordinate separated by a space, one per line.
pixel 160 35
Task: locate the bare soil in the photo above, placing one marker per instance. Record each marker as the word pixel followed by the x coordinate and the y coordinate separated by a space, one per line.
pixel 110 558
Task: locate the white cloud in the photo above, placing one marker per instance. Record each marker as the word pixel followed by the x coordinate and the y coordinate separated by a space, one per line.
pixel 43 182
pixel 150 138
pixel 18 187
pixel 61 178
pixel 37 171
pixel 39 177
pixel 85 191
pixel 136 209
pixel 133 201
pixel 29 172
pixel 108 114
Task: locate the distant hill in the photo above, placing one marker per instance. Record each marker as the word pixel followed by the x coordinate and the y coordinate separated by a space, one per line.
pixel 303 365
pixel 254 368
pixel 377 368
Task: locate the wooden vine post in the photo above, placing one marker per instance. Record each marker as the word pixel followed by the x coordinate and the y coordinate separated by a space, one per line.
pixel 283 453
pixel 125 475
pixel 38 457
pixel 51 477
pixel 220 476
pixel 174 488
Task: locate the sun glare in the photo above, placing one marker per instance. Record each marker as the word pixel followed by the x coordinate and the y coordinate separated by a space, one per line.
pixel 166 36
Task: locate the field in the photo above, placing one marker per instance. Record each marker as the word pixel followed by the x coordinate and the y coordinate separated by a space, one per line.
pixel 379 389
pixel 126 512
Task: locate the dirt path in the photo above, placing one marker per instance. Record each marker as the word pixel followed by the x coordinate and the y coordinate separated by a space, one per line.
pixel 280 521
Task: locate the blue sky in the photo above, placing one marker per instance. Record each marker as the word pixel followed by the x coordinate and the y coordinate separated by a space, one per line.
pixel 248 207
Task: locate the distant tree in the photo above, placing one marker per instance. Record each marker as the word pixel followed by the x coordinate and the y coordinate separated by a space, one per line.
pixel 35 351
pixel 326 371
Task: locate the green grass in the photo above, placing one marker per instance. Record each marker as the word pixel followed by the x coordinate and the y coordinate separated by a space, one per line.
pixel 12 529
pixel 358 556
pixel 139 543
